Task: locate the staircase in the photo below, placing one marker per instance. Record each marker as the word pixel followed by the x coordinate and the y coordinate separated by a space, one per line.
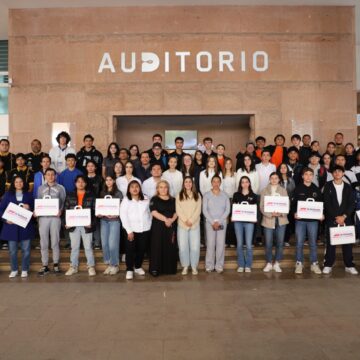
pixel 230 259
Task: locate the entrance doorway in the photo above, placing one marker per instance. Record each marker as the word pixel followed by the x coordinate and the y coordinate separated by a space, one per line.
pixel 231 130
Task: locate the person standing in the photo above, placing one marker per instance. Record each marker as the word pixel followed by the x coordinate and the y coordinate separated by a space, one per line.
pixel 163 255
pixel 110 159
pixel 50 225
pixel 188 210
pixel 248 169
pixel 143 171
pixel 110 229
pixel 39 177
pixel 244 230
pixel 216 209
pixel 339 207
pixel 68 176
pixel 33 158
pixel 7 157
pixel 149 186
pixel 306 228
pixel 173 176
pixel 274 224
pixel 89 152
pixel 23 171
pixel 15 234
pixel 58 153
pixel 122 182
pixel 178 153
pixel 212 169
pixel 85 199
pixel 264 169
pixel 136 220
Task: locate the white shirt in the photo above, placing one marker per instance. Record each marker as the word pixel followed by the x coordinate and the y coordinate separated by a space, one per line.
pixel 57 155
pixel 349 176
pixel 264 172
pixel 149 187
pixel 122 183
pixel 254 179
pixel 175 180
pixel 229 184
pixel 135 215
pixel 339 191
pixel 205 181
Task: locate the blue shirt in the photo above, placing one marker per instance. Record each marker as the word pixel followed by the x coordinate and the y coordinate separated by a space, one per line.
pixel 67 179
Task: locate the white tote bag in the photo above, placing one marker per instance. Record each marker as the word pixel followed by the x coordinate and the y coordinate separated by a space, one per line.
pixel 310 209
pixel 17 214
pixel 341 235
pixel 46 206
pixel 276 203
pixel 78 217
pixel 244 212
pixel 107 206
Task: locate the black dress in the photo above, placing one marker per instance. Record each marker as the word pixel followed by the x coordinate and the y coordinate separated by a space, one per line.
pixel 164 254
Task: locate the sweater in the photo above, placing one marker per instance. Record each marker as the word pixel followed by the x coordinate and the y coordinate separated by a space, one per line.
pixel 188 209
pixel 216 207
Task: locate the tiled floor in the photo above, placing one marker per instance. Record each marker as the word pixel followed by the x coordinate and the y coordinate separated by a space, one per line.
pixel 211 316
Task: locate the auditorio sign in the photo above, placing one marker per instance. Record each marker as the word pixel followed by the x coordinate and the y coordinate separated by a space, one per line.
pixel 181 61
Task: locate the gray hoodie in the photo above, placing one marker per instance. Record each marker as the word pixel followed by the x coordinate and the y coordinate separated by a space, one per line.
pixel 56 192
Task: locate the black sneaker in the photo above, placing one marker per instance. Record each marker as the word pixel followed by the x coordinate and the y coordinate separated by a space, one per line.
pixel 44 271
pixel 68 246
pixel 57 269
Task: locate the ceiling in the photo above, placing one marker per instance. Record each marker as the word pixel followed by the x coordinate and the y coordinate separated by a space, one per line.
pixel 13 4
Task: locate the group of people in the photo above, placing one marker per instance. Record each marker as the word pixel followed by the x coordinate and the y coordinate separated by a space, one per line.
pixel 171 204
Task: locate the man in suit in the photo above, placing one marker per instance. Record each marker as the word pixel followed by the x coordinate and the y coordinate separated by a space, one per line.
pixel 339 206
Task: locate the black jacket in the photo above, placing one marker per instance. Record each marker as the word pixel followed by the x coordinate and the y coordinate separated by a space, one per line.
pixel 88 203
pixel 332 207
pixel 33 161
pixel 95 184
pixel 83 156
pixel 302 193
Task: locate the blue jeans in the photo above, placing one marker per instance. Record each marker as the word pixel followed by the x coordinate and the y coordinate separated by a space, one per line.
pixel 25 255
pixel 189 246
pixel 301 229
pixel 279 233
pixel 110 241
pixel 75 238
pixel 248 227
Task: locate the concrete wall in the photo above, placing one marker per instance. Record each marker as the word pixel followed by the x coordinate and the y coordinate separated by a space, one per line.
pixel 55 55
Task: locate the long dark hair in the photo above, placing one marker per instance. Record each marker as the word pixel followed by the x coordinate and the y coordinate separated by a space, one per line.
pixel 12 185
pixel 217 171
pixel 288 173
pixel 117 151
pixel 128 195
pixel 252 165
pixel 105 188
pixel 240 187
pixel 191 169
pixel 183 194
pixel 137 150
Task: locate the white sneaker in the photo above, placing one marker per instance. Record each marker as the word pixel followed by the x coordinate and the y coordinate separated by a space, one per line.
pixel 298 267
pixel 24 274
pixel 209 270
pixel 195 271
pixel 277 267
pixel 107 270
pixel 351 270
pixel 140 271
pixel 114 270
pixel 13 274
pixel 248 270
pixel 327 270
pixel 315 268
pixel 219 271
pixel 240 269
pixel 268 267
pixel 129 275
pixel 72 270
pixel 91 271
pixel 184 271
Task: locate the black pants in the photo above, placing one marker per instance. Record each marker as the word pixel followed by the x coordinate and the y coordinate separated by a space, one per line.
pixel 330 254
pixel 135 250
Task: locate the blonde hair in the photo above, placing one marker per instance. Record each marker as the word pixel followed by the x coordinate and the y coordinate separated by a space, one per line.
pixel 158 185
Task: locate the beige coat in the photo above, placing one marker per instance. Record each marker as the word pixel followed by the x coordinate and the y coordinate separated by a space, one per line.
pixel 188 210
pixel 268 220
